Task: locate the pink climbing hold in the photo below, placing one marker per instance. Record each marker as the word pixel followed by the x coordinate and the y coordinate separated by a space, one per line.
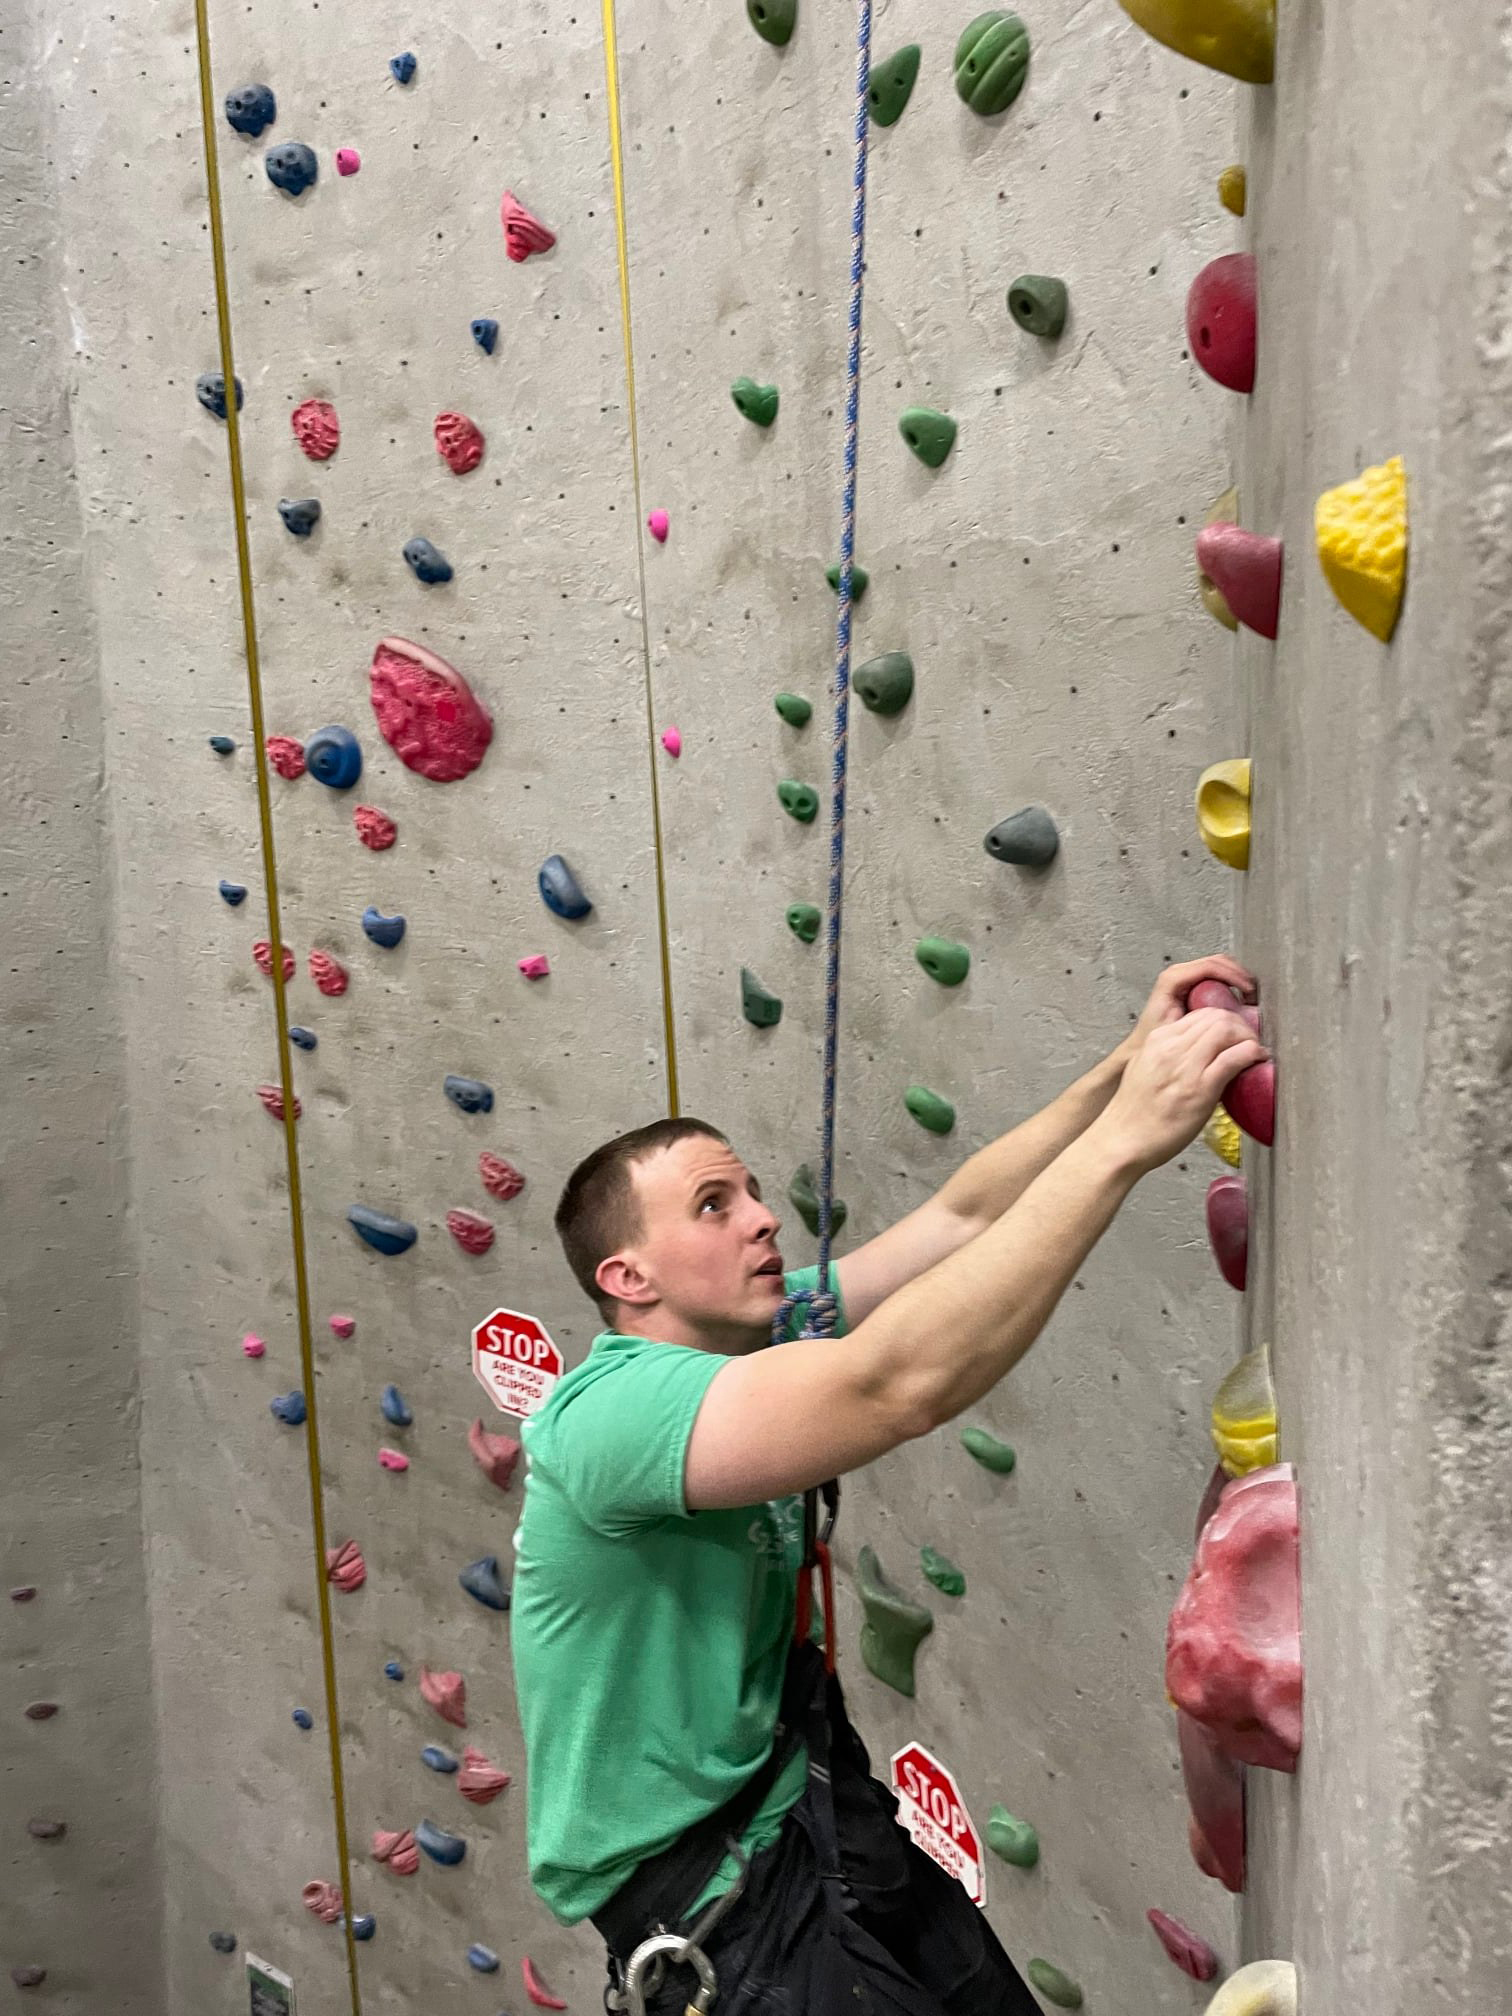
pixel 459 442
pixel 348 160
pixel 478 1780
pixel 523 234
pixel 447 1694
pixel 499 1178
pixel 375 829
pixel 495 1455
pixel 343 1326
pixel 658 524
pixel 323 1899
pixel 472 1232
pixel 1217 994
pixel 346 1567
pixel 397 1847
pixel 1228 1228
pixel 316 429
pixel 392 1459
pixel 1192 1955
pixel 1221 320
pixel 536 967
pixel 286 755
pixel 536 1989
pixel 1215 1804
pixel 1250 1099
pixel 427 713
pixel 273 1101
pixel 671 741
pixel 1246 569
pixel 1233 1644
pixel 328 973
pixel 262 952
pixel 252 1345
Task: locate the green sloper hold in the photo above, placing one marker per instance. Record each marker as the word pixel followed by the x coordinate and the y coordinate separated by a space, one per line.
pixel 929 1109
pixel 943 960
pixel 895 1626
pixel 803 1194
pixel 774 20
pixel 1038 304
pixel 886 683
pixel 794 709
pixel 988 1451
pixel 799 801
pixel 929 434
pixel 991 62
pixel 803 920
pixel 859 579
pixel 891 84
pixel 761 1009
pixel 757 402
pixel 943 1572
pixel 1014 1840
pixel 1055 1986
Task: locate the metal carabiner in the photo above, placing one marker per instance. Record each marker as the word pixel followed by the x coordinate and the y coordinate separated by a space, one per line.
pixel 684 1953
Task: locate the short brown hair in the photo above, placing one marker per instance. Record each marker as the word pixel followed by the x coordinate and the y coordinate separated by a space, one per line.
pixel 597 1211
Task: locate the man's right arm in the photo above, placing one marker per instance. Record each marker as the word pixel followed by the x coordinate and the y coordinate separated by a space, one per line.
pixel 787 1418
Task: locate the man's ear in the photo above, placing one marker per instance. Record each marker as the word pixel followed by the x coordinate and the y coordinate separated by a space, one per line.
pixel 620 1278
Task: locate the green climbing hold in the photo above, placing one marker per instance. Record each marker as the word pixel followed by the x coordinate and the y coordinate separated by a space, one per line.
pixel 794 709
pixel 1014 1840
pixel 895 1626
pixel 988 1451
pixel 774 20
pixel 803 920
pixel 799 801
pixel 761 1009
pixel 891 85
pixel 886 683
pixel 1038 304
pixel 859 579
pixel 1055 1986
pixel 991 62
pixel 929 1109
pixel 944 1574
pixel 803 1195
pixel 929 434
pixel 943 960
pixel 757 402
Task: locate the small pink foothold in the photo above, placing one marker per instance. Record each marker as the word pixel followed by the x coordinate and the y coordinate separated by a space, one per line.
pixel 375 829
pixel 658 524
pixel 273 1101
pixel 1221 320
pixel 536 967
pixel 495 1455
pixel 459 442
pixel 316 429
pixel 286 755
pixel 262 952
pixel 1228 1228
pixel 427 713
pixel 253 1345
pixel 391 1459
pixel 523 234
pixel 536 1988
pixel 397 1847
pixel 499 1178
pixel 472 1232
pixel 328 973
pixel 348 160
pixel 478 1780
pixel 346 1567
pixel 447 1694
pixel 323 1899
pixel 1246 570
pixel 24 1593
pixel 40 1711
pixel 671 741
pixel 1192 1955
pixel 343 1326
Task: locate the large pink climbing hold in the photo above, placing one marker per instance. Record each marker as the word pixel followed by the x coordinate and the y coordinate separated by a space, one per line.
pixel 1215 1802
pixel 396 1847
pixel 427 713
pixel 348 160
pixel 273 1101
pixel 1245 568
pixel 346 1567
pixel 478 1780
pixel 286 755
pixel 253 1346
pixel 324 1899
pixel 392 1459
pixel 375 829
pixel 1228 1228
pixel 1250 1099
pixel 658 524
pixel 536 1988
pixel 328 973
pixel 1221 320
pixel 472 1232
pixel 499 1178
pixel 447 1694
pixel 536 967
pixel 1192 1955
pixel 459 442
pixel 343 1326
pixel 495 1455
pixel 262 952
pixel 671 741
pixel 316 429
pixel 523 234
pixel 1233 1644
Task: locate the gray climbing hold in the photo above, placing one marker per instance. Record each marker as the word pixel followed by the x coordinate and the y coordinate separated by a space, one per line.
pixel 28 1977
pixel 232 892
pixel 1038 304
pixel 384 931
pixel 886 684
pixel 426 563
pixel 799 801
pixel 895 1625
pixel 402 68
pixel 210 390
pixel 223 1942
pixel 988 1451
pixel 378 1230
pixel 482 1581
pixel 761 1009
pixel 483 1959
pixel 394 1407
pixel 251 108
pixel 289 1408
pixel 560 891
pixel 437 1759
pixel 291 167
pixel 300 514
pixel 303 1719
pixel 471 1094
pixel 803 1195
pixel 794 709
pixel 803 920
pixel 302 1038
pixel 1028 839
pixel 442 1847
pixel 485 333
pixel 223 745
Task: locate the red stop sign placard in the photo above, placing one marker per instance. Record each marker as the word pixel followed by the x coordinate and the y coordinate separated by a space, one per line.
pixel 514 1357
pixel 930 1806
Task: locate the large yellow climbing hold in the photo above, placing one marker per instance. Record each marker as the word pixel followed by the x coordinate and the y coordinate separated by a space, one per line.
pixel 1223 811
pixel 1233 189
pixel 1244 1416
pixel 1222 1135
pixel 1235 36
pixel 1264 1988
pixel 1362 544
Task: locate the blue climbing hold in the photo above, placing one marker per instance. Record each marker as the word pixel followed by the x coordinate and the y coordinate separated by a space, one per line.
pixel 402 67
pixel 426 563
pixel 300 515
pixel 483 1959
pixel 395 1407
pixel 304 1039
pixel 233 892
pixel 303 1718
pixel 210 390
pixel 559 889
pixel 333 757
pixel 437 1759
pixel 384 931
pixel 289 1407
pixel 485 333
pixel 251 108
pixel 393 1670
pixel 378 1230
pixel 482 1580
pixel 363 1927
pixel 223 1942
pixel 448 1849
pixel 223 745
pixel 291 167
pixel 471 1094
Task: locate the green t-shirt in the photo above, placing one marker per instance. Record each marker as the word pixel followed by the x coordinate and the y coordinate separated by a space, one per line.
pixel 649 1642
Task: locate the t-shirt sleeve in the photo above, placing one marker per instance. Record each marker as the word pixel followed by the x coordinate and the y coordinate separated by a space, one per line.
pixel 620 1445
pixel 804 1281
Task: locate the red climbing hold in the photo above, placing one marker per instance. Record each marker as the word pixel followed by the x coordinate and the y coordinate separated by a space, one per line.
pixel 500 1178
pixel 478 1780
pixel 273 1101
pixel 24 1592
pixel 459 442
pixel 1233 1644
pixel 40 1711
pixel 1192 1955
pixel 328 973
pixel 343 1326
pixel 324 1899
pixel 1250 1099
pixel 1220 320
pixel 1246 570
pixel 472 1232
pixel 1215 1800
pixel 536 1989
pixel 316 429
pixel 447 1694
pixel 397 1849
pixel 346 1567
pixel 523 234
pixel 1228 1228
pixel 427 712
pixel 495 1455
pixel 1217 994
pixel 262 952
pixel 375 829
pixel 286 755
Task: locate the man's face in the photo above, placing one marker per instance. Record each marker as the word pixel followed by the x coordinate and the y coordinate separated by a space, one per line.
pixel 708 1246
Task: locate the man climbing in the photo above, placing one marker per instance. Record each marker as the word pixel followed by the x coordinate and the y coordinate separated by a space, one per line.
pixel 691 1767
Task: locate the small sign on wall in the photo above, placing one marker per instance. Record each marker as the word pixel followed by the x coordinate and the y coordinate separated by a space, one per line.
pixel 270 1989
pixel 932 1810
pixel 514 1358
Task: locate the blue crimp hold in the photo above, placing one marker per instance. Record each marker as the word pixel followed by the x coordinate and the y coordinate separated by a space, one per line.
pixel 210 390
pixel 402 67
pixel 426 562
pixel 384 931
pixel 395 1407
pixel 300 516
pixel 378 1230
pixel 485 332
pixel 482 1580
pixel 471 1094
pixel 438 1759
pixel 448 1849
pixel 483 1959
pixel 393 1670
pixel 291 167
pixel 305 1039
pixel 560 891
pixel 289 1407
pixel 223 745
pixel 251 108
pixel 233 892
pixel 363 1927
pixel 303 1718
pixel 333 757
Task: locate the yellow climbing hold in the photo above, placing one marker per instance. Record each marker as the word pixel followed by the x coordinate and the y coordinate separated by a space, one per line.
pixel 1223 811
pixel 1222 1135
pixel 1362 544
pixel 1235 36
pixel 1264 1988
pixel 1233 189
pixel 1225 511
pixel 1244 1415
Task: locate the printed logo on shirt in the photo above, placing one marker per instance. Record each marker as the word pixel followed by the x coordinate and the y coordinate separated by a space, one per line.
pixel 777 1532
